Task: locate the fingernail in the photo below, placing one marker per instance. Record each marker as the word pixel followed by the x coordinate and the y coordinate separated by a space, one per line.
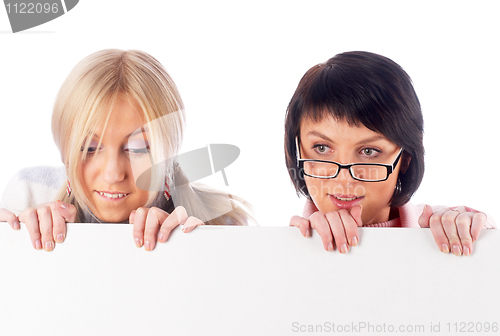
pixel 466 251
pixel 48 246
pixel 343 249
pixel 444 248
pixel 354 241
pixel 16 226
pixel 60 238
pixel 62 205
pixel 308 234
pixel 147 246
pixel 456 250
pixel 161 237
pixel 330 247
pixel 38 244
pixel 137 242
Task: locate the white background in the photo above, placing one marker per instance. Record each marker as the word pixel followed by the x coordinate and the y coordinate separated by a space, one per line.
pixel 237 65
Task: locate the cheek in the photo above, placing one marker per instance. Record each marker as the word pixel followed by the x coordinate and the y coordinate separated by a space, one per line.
pixel 141 172
pixel 87 172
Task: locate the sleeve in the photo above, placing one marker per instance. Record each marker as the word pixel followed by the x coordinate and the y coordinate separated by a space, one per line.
pixel 30 187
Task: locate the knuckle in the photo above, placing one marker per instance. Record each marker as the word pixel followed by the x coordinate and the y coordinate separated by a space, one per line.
pixel 332 215
pixel 316 215
pixel 343 212
pixel 44 211
pixel 463 220
pixel 141 211
pixel 479 216
pixel 435 220
pixel 449 216
pixel 11 217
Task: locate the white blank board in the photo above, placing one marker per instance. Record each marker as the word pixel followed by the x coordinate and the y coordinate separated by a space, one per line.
pixel 245 281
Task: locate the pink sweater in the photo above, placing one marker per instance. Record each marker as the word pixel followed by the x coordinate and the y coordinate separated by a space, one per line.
pixel 409 215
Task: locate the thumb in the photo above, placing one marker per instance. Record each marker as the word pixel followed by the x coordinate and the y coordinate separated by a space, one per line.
pixel 67 211
pixel 424 218
pixel 356 212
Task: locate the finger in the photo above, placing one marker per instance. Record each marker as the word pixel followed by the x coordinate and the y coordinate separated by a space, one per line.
pixel 58 225
pixel 177 217
pixel 338 231
pixel 191 223
pixel 352 233
pixel 131 217
pixel 464 223
pixel 351 225
pixel 9 217
pixel 460 209
pixel 478 223
pixel 153 220
pixel 30 218
pixel 451 231
pixel 320 224
pixel 45 221
pixel 139 226
pixel 424 218
pixel 438 231
pixel 303 225
pixel 356 212
pixel 67 211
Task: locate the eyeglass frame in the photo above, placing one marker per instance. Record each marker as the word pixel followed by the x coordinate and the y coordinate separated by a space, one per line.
pixel 390 167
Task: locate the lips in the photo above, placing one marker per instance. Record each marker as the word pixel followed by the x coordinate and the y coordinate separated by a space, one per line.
pixel 345 201
pixel 112 195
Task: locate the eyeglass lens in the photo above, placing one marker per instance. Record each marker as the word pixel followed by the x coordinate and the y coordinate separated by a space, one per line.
pixel 364 172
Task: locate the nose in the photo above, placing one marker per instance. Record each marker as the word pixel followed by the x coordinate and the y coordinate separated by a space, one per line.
pixel 114 168
pixel 345 176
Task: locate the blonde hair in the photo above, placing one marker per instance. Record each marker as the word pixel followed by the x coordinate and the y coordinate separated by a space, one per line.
pixel 86 100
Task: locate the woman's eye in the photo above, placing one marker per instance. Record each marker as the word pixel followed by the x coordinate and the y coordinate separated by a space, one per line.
pixel 137 151
pixel 321 148
pixel 370 152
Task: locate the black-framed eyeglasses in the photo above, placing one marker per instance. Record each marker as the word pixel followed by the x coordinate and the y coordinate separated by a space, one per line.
pixel 367 172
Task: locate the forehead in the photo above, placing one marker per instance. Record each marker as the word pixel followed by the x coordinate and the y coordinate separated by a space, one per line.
pixel 338 130
pixel 125 117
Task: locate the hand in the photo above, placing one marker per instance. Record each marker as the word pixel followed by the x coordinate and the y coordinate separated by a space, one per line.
pixel 338 228
pixel 9 217
pixel 454 229
pixel 47 223
pixel 150 222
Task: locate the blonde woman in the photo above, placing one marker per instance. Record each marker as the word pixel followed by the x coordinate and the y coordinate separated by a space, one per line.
pixel 118 122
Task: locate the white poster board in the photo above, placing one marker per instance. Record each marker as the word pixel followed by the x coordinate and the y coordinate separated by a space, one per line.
pixel 246 281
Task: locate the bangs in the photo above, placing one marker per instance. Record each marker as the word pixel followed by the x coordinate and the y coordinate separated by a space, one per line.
pixel 349 95
pixel 98 116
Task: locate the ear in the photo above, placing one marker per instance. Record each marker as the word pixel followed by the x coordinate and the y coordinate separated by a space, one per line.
pixel 405 162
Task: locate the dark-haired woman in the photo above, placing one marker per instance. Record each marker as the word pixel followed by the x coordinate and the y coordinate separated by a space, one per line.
pixel 354 148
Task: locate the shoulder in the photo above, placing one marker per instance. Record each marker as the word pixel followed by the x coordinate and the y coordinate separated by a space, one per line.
pixel 32 186
pixel 409 214
pixel 46 175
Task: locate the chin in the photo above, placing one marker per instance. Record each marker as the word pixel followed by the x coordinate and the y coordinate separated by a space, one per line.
pixel 113 218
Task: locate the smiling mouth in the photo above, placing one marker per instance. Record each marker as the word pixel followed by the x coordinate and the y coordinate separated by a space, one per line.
pixel 113 195
pixel 346 198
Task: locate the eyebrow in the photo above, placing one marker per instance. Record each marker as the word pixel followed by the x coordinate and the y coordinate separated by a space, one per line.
pixel 137 131
pixel 370 139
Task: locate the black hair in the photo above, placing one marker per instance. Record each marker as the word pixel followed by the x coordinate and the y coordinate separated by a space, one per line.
pixel 361 88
